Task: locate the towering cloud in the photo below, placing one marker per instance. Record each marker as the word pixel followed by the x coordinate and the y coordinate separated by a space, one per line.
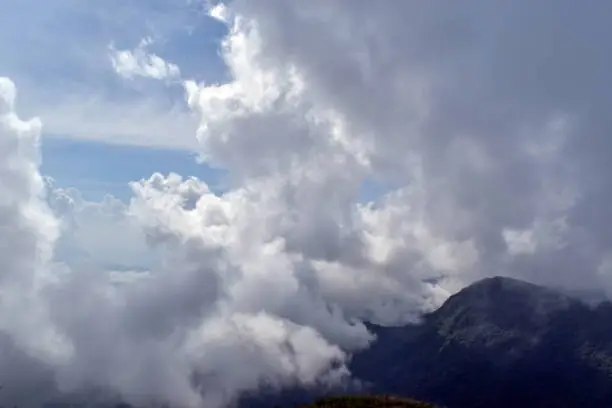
pixel 486 125
pixel 28 231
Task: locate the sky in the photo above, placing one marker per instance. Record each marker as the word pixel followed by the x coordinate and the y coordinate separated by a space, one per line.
pixel 199 198
pixel 100 128
pixel 97 169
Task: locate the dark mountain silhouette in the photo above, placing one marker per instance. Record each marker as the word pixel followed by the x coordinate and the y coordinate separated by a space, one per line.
pixel 498 343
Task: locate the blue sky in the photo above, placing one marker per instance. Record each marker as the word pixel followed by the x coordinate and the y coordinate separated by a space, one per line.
pixel 100 130
pixel 97 169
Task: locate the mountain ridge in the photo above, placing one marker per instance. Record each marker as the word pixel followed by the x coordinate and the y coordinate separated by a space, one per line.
pixel 490 342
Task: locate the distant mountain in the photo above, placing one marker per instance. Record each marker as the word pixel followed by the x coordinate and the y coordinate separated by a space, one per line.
pixel 498 343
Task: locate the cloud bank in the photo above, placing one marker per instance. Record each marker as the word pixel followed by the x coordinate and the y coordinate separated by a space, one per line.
pixel 487 124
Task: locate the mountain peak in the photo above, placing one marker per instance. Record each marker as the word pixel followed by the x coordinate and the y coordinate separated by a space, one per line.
pixel 507 285
pixel 509 293
pixel 514 310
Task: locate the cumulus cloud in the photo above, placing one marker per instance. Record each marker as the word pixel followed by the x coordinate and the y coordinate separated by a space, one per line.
pixel 184 331
pixel 141 63
pixel 28 231
pixel 495 139
pixel 490 121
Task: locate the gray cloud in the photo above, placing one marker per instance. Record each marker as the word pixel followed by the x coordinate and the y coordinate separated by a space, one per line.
pixel 502 106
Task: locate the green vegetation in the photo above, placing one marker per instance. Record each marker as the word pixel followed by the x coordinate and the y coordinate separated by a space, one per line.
pixel 368 402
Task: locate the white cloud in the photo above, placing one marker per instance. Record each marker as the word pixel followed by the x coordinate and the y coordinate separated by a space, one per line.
pixel 220 12
pixel 28 232
pixel 139 62
pixel 142 122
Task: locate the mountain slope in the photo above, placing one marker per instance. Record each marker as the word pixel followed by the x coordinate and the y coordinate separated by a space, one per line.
pixel 500 342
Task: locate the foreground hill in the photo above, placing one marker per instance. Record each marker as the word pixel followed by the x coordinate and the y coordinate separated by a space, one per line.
pixel 498 343
pixel 367 402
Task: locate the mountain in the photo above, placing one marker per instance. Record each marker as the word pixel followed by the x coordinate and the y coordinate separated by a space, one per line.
pixel 499 343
